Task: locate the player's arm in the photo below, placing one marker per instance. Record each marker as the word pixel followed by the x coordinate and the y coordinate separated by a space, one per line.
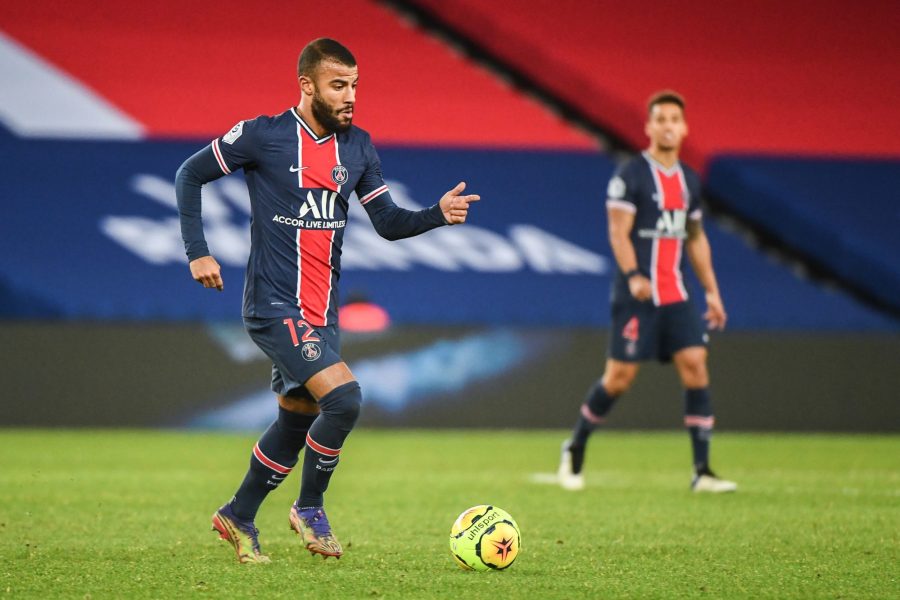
pixel 621 222
pixel 233 150
pixel 700 255
pixel 196 171
pixel 395 223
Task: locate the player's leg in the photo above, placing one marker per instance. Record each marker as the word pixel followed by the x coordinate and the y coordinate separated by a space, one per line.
pixel 339 400
pixel 272 459
pixel 616 380
pixel 698 415
pixel 295 360
pixel 276 452
pixel 633 337
pixel 691 363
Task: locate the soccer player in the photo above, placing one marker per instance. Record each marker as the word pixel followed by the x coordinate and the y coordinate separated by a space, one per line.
pixel 653 204
pixel 301 167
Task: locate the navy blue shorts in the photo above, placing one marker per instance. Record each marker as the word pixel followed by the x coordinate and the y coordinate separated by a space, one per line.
pixel 297 350
pixel 641 331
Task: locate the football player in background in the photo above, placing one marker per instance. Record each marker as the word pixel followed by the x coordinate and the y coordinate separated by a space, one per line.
pixel 653 205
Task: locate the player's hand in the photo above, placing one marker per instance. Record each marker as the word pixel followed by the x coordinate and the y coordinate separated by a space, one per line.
pixel 454 206
pixel 715 311
pixel 207 271
pixel 639 286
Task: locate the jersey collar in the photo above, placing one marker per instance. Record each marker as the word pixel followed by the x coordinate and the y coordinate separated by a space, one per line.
pixel 308 129
pixel 668 171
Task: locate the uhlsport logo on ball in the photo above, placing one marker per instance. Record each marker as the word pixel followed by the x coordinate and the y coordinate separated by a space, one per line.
pixel 484 538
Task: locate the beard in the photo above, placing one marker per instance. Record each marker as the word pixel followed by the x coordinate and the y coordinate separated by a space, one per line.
pixel 327 116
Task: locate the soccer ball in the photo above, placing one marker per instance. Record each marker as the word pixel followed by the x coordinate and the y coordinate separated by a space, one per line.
pixel 485 537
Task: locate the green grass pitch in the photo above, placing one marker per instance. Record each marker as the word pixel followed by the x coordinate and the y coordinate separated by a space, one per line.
pixel 125 514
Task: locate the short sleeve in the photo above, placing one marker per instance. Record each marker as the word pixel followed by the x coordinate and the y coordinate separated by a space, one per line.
pixel 620 191
pixel 371 185
pixel 237 148
pixel 695 208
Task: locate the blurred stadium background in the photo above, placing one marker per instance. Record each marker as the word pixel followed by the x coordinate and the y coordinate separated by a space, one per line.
pixel 500 323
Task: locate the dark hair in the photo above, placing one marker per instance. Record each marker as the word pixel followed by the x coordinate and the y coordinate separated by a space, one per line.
pixel 321 50
pixel 665 97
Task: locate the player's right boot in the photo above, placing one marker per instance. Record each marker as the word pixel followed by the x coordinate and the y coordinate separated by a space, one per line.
pixel 312 526
pixel 242 535
pixel 707 481
pixel 566 476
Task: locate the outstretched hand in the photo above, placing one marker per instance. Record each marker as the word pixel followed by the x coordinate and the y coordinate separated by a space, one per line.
pixel 206 270
pixel 456 207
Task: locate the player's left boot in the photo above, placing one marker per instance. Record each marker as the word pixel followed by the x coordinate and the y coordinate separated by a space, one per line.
pixel 566 476
pixel 243 535
pixel 312 526
pixel 707 481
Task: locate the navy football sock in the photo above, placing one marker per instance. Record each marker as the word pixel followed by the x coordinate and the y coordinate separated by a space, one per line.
pixel 593 413
pixel 339 411
pixel 274 455
pixel 699 420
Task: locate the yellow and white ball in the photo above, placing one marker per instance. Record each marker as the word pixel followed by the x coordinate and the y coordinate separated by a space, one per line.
pixel 484 538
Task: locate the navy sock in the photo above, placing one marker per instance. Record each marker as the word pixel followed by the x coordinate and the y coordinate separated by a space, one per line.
pixel 274 455
pixel 699 420
pixel 593 413
pixel 339 411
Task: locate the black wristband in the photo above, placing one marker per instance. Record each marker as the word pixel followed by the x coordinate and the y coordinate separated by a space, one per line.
pixel 631 274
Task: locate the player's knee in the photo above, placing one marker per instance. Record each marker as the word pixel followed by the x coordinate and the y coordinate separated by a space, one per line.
pixel 617 381
pixel 342 405
pixel 691 365
pixel 694 374
pixel 303 405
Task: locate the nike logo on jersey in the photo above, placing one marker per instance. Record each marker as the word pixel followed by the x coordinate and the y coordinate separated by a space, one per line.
pixel 295 169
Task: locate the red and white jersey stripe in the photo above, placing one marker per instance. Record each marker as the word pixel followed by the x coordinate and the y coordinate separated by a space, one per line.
pixel 665 269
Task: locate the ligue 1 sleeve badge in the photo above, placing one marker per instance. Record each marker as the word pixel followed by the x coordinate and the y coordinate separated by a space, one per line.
pixel 339 174
pixel 232 136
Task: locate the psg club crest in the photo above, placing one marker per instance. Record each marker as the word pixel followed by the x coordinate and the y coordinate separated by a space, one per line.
pixel 339 174
pixel 310 351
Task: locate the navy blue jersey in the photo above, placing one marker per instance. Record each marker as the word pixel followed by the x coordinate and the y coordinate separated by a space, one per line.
pixel 661 200
pixel 299 187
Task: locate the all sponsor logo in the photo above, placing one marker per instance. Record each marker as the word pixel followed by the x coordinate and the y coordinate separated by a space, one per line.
pixel 670 224
pixel 315 213
pixel 339 174
pixel 310 351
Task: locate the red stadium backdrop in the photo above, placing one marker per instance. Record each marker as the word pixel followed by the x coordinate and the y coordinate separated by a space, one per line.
pixel 780 76
pixel 189 69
